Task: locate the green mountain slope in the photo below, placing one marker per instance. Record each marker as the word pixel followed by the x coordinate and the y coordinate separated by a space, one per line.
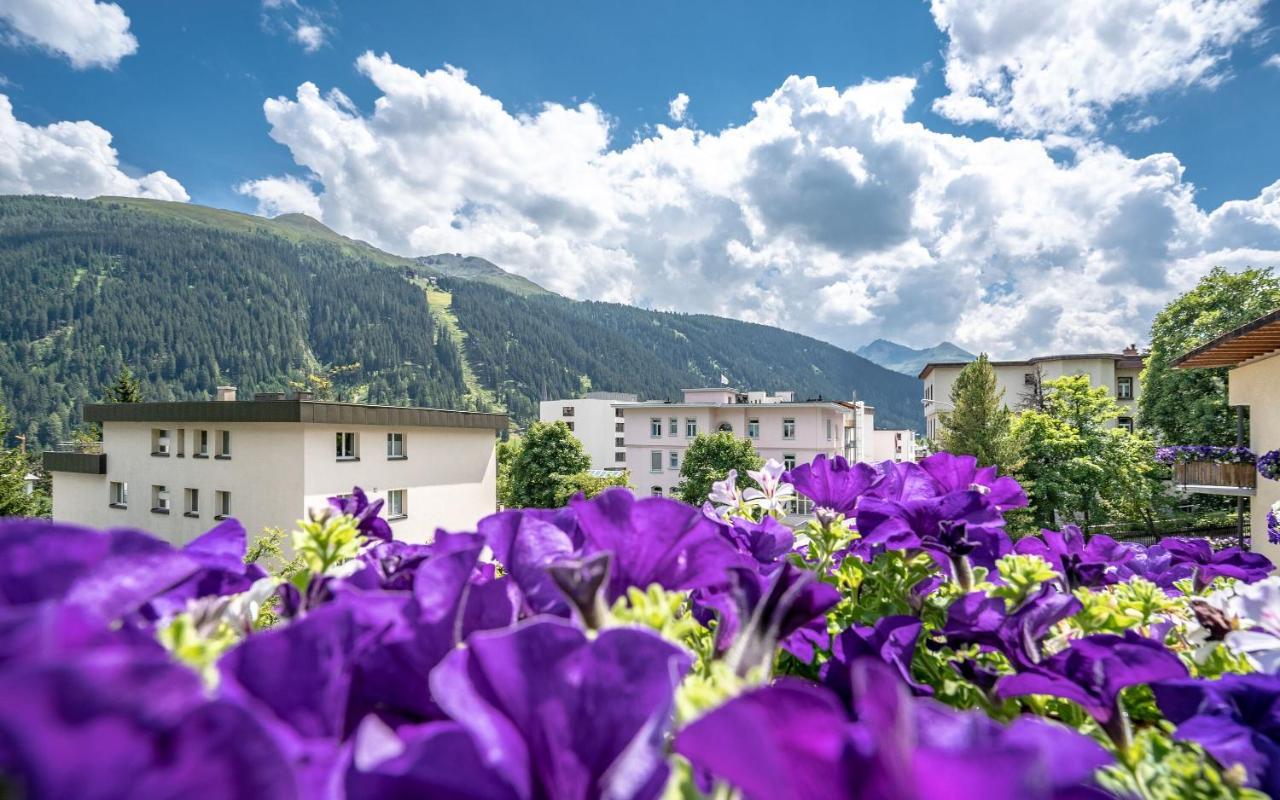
pixel 909 360
pixel 191 297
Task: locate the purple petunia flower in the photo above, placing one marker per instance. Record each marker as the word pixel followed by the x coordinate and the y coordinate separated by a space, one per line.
pixel 757 611
pixel 357 506
pixel 833 483
pixel 982 620
pixel 891 640
pixel 1092 671
pixel 537 711
pixel 955 473
pixel 794 740
pixel 121 722
pixel 958 528
pixel 1093 563
pixel 1231 562
pixel 1235 718
pixel 766 541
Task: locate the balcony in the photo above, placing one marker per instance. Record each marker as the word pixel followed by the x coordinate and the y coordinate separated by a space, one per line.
pixel 1214 477
pixel 85 458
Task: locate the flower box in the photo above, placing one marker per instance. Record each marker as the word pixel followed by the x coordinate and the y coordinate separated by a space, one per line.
pixel 1215 473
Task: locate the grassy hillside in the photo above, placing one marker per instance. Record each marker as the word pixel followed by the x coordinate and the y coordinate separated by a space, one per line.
pixel 191 297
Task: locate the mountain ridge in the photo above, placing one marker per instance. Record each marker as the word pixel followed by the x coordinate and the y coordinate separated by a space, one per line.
pixel 910 360
pixel 189 296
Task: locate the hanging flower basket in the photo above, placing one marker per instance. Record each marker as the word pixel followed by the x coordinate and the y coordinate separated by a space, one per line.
pixel 1269 465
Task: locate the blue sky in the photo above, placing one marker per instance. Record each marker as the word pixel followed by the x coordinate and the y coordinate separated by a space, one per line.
pixel 183 94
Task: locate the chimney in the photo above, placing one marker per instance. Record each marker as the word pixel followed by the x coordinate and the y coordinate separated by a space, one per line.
pixel 302 395
pixel 1131 350
pixel 226 394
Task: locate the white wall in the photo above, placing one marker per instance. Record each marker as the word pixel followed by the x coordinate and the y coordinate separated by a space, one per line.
pixel 594 424
pixel 1254 385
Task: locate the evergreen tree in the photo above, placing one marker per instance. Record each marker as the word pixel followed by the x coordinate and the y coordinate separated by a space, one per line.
pixel 709 458
pixel 549 455
pixel 14 499
pixel 979 423
pixel 1189 406
pixel 126 388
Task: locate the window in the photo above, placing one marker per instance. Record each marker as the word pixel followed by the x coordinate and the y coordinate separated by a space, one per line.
pixel 224 445
pixel 753 429
pixel 655 491
pixel 619 427
pixel 673 427
pixel 346 446
pixel 655 461
pixel 181 442
pixel 673 459
pixel 724 427
pixel 655 427
pixel 159 442
pixel 830 428
pixel 396 504
pixel 619 442
pixel 191 503
pixel 395 445
pixel 570 424
pixel 221 505
pixel 567 411
pixel 789 428
pixel 1124 388
pixel 119 497
pixel 928 392
pixel 789 460
pixel 159 499
pixel 1126 423
pixel 1029 378
pixel 617 412
pixel 690 427
pixel 202 444
pixel 620 458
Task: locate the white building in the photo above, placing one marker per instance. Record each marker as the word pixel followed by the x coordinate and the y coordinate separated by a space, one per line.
pixel 782 428
pixel 894 445
pixel 1020 380
pixel 596 420
pixel 175 469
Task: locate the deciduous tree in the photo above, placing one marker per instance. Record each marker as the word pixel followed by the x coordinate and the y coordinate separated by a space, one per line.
pixel 549 454
pixel 709 459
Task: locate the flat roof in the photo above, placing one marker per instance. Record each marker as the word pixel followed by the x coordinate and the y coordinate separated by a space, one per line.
pixel 1130 361
pixel 303 411
pixel 1252 339
pixel 786 404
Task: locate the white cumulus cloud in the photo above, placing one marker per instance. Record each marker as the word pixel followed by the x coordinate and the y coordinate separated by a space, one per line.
pixel 827 211
pixel 86 32
pixel 678 107
pixel 302 23
pixel 73 159
pixel 1049 66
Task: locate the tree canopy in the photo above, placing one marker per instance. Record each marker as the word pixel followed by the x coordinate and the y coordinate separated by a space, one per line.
pixel 1189 406
pixel 548 455
pixel 709 458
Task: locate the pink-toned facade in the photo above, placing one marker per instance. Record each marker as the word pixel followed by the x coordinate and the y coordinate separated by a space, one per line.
pixel 658 433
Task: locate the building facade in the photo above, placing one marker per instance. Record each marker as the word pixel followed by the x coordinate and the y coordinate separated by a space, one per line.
pixel 1253 353
pixel 596 420
pixel 1021 381
pixel 657 434
pixel 894 445
pixel 175 469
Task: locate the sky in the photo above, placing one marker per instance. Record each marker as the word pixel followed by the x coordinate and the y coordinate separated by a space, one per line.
pixel 1017 176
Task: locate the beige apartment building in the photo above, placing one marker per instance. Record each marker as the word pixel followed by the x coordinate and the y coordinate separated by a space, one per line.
pixel 1021 380
pixel 176 469
pixel 1253 353
pixel 782 428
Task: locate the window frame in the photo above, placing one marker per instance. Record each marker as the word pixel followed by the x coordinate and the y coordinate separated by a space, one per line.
pixel 118 499
pixel 673 426
pixel 788 461
pixel 655 461
pixel 788 423
pixel 673 459
pixel 753 428
pixel 161 443
pixel 191 503
pixel 201 444
pixel 221 504
pixel 655 427
pixel 222 444
pixel 690 427
pixel 395 453
pixel 346 446
pixel 394 513
pixel 160 499
pixel 1124 387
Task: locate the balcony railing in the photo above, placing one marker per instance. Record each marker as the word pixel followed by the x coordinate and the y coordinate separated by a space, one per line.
pixel 76 447
pixel 1214 477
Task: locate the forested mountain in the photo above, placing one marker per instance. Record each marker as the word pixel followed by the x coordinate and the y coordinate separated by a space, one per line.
pixel 478 269
pixel 910 360
pixel 191 297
